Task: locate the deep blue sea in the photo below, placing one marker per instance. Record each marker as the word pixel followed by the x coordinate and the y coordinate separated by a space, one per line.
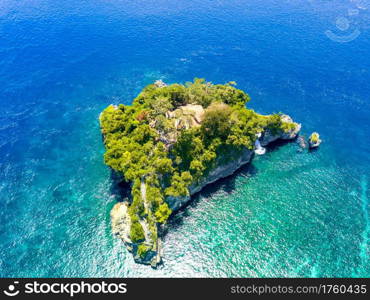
pixel 287 214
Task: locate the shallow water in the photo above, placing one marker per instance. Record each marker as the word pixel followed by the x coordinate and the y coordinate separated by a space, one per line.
pixel 289 213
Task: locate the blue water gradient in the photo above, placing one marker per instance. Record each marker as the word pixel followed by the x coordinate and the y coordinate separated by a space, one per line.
pixel 286 214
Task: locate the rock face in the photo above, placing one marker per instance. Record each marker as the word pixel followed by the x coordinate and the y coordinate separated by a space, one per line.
pixel 121 220
pixel 159 83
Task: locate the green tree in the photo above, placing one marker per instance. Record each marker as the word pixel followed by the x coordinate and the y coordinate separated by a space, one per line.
pixel 162 213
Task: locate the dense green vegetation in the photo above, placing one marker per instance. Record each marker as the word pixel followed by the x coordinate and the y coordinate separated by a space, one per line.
pixel 161 160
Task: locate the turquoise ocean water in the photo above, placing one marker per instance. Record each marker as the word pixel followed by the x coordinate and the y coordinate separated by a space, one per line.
pixel 287 214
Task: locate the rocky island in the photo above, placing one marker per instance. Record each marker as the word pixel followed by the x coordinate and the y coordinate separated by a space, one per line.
pixel 170 143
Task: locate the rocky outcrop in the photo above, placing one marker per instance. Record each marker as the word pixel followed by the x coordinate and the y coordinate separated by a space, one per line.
pixel 159 83
pixel 269 137
pixel 225 170
pixel 220 171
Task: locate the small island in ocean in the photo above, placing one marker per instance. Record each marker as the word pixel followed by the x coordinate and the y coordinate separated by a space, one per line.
pixel 170 143
pixel 314 140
